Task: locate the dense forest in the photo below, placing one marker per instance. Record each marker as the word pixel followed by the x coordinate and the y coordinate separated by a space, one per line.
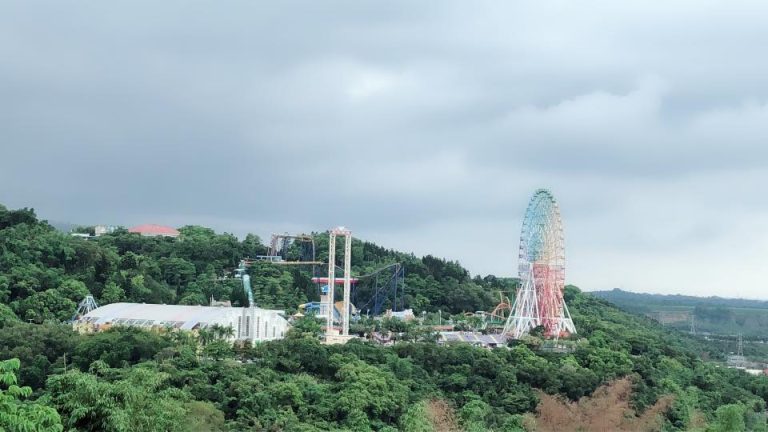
pixel 625 371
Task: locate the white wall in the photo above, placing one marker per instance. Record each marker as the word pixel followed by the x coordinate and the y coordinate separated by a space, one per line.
pixel 259 325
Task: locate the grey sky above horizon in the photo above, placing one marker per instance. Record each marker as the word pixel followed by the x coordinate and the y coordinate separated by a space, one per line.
pixel 424 127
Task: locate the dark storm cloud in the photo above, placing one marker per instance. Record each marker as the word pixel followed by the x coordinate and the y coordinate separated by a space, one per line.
pixel 423 127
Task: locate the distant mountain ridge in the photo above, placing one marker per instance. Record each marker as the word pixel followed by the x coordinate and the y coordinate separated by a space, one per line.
pixel 712 315
pixel 621 297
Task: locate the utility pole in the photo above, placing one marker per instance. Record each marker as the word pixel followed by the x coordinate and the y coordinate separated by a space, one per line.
pixel 693 323
pixel 740 348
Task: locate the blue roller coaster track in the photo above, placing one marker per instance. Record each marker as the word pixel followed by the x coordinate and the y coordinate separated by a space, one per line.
pixel 380 289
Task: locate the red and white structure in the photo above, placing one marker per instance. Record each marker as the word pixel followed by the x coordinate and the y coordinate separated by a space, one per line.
pixel 346 280
pixel 539 300
pixel 152 230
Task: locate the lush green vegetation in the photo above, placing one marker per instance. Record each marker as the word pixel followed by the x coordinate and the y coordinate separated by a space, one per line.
pixel 44 273
pixel 129 379
pixel 719 318
pixel 716 315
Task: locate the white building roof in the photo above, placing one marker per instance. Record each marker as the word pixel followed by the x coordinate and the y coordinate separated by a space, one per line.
pixel 473 337
pixel 177 316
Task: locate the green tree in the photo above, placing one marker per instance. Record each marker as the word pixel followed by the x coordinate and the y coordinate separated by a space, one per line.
pixel 729 418
pixel 46 305
pixel 119 346
pixel 218 350
pixel 305 327
pixel 112 293
pixel 19 416
pixel 73 290
pixel 203 417
pixel 5 289
pixel 473 415
pixel 138 400
pixel 9 218
pixel 6 315
pixel 222 332
pixel 415 419
pixel 366 392
pixel 177 272
pixel 40 348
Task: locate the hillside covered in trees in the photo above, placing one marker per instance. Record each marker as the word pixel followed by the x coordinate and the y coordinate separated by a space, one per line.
pixel 715 315
pixel 129 379
pixel 44 273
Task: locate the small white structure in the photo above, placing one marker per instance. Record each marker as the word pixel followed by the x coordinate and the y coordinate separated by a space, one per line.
pixel 403 315
pixel 100 230
pixel 252 323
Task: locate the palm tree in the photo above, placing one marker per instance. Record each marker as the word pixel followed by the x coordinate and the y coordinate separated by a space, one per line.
pixel 221 332
pixel 205 335
pixel 226 332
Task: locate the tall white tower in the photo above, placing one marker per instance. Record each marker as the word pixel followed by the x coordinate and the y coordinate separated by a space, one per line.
pixel 347 234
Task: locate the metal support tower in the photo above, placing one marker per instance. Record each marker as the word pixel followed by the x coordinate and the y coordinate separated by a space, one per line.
pixel 347 284
pixel 525 312
pixel 86 305
pixel 329 307
pixel 347 234
pixel 693 324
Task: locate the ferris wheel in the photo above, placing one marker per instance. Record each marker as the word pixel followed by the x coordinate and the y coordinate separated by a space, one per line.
pixel 539 300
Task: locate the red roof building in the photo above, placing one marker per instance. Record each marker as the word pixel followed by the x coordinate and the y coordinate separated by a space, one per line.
pixel 151 230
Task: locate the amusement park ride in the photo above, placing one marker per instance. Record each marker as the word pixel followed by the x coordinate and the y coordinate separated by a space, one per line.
pixel 497 318
pixel 279 249
pixel 347 278
pixel 86 305
pixel 539 300
pixel 374 291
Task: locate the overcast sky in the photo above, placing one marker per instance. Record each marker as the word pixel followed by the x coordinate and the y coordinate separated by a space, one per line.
pixel 422 126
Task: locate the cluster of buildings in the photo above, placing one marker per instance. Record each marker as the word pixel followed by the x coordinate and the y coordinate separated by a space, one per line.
pixel 252 324
pixel 146 230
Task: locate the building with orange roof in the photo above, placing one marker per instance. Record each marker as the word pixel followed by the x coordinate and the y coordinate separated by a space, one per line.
pixel 152 230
